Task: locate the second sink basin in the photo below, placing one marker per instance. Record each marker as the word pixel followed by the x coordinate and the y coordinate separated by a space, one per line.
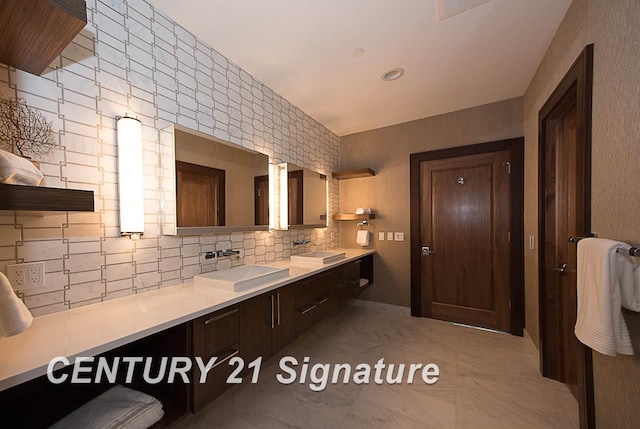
pixel 315 259
pixel 242 277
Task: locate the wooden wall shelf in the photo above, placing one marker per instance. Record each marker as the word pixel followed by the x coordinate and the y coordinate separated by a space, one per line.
pixel 34 32
pixel 353 174
pixel 17 197
pixel 353 216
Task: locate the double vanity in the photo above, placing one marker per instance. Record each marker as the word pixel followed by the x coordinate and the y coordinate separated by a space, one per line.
pixel 249 311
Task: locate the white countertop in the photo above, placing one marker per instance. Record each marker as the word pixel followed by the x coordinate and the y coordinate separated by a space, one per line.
pixel 97 328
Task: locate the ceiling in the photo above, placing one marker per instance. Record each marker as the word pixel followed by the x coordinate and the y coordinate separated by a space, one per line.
pixel 303 50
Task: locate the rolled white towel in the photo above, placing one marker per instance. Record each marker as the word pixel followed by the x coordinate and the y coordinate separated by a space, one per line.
pixel 15 170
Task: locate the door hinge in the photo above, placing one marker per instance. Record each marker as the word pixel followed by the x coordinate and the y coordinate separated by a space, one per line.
pixel 509 236
pixel 508 164
pixel 509 304
pixel 258 192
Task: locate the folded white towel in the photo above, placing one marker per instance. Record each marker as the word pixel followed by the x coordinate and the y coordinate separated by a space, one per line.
pixel 601 274
pixel 362 237
pixel 118 407
pixel 15 170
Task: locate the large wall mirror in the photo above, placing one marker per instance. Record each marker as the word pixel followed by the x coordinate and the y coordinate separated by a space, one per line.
pixel 307 197
pixel 210 186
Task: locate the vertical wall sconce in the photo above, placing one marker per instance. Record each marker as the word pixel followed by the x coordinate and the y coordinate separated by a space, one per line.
pixel 278 197
pixel 131 189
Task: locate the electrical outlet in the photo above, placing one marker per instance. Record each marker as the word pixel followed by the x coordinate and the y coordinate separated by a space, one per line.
pixel 25 276
pixel 399 236
pixel 381 236
pixel 390 236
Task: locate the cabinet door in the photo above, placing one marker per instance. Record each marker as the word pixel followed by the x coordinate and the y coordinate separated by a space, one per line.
pixel 256 327
pixel 214 335
pixel 285 317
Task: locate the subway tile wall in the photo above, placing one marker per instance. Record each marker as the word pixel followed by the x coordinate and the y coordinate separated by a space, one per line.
pixel 132 58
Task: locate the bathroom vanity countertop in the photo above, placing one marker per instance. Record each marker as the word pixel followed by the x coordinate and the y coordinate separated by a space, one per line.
pixel 97 328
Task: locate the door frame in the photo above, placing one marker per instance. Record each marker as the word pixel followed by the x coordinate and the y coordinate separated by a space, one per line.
pixel 578 78
pixel 516 275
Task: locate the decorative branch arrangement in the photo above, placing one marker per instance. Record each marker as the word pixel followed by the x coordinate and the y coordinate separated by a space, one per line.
pixel 24 130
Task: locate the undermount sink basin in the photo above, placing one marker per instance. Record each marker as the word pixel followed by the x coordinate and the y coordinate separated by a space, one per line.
pixel 242 277
pixel 316 259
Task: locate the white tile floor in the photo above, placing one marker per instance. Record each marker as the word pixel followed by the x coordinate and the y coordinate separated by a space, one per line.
pixel 487 380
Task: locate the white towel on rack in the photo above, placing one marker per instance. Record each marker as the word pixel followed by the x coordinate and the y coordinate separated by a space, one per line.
pixel 600 277
pixel 362 237
pixel 631 288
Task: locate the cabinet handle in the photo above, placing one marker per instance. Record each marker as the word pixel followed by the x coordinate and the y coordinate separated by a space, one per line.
pixel 232 353
pixel 308 309
pixel 221 316
pixel 278 308
pixel 273 323
pixel 323 300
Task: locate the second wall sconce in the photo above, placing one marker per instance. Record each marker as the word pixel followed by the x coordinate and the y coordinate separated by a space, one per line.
pixel 131 189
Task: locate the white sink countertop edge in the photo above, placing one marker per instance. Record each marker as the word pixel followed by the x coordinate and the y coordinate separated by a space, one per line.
pixel 97 328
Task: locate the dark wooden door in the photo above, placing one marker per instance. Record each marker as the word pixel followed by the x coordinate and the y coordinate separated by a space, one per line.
pixel 200 195
pixel 284 331
pixel 465 221
pixel 564 217
pixel 261 190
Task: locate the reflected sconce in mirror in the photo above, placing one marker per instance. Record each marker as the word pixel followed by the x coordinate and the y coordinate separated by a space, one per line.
pixel 278 197
pixel 131 190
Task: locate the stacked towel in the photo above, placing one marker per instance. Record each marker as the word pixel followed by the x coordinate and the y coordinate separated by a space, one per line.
pixel 362 238
pixel 603 275
pixel 118 407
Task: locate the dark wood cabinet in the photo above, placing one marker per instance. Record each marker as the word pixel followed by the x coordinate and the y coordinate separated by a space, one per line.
pixel 316 298
pixel 215 335
pixel 267 323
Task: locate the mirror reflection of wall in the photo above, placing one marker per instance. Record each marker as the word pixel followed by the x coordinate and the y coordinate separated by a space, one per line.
pixel 216 183
pixel 307 194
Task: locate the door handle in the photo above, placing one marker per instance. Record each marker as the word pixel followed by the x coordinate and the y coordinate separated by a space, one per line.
pixel 426 251
pixel 562 269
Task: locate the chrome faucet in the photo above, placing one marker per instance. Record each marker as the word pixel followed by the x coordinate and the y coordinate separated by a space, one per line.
pixel 300 242
pixel 221 254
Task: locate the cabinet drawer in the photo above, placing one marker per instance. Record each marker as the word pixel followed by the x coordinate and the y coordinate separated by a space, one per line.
pixel 216 382
pixel 215 332
pixel 305 317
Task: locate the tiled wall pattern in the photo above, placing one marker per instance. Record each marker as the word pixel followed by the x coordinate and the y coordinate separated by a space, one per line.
pixel 132 58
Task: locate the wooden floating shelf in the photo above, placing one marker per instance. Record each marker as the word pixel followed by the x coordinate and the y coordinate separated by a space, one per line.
pixel 353 216
pixel 18 197
pixel 353 174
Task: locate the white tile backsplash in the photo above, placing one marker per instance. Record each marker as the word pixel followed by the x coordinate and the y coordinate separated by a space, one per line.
pixel 130 58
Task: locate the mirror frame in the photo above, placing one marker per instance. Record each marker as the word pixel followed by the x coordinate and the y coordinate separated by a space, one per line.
pixel 167 175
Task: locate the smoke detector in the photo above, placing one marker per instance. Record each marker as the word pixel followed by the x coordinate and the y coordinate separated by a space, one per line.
pixel 448 8
pixel 392 74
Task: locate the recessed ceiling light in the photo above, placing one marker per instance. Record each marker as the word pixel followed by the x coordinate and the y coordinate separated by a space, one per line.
pixel 393 74
pixel 358 52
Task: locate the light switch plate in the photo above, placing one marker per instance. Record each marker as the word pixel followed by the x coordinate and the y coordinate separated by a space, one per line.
pixel 399 236
pixel 381 236
pixel 390 236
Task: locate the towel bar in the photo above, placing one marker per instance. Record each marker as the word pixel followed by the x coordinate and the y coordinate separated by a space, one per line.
pixel 576 239
pixel 632 251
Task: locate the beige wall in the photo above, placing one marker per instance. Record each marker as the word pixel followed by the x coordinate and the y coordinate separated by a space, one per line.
pixel 387 150
pixel 614 28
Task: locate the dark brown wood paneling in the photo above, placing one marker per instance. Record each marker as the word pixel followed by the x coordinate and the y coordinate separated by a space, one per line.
pixel 34 32
pixel 256 327
pixel 16 197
